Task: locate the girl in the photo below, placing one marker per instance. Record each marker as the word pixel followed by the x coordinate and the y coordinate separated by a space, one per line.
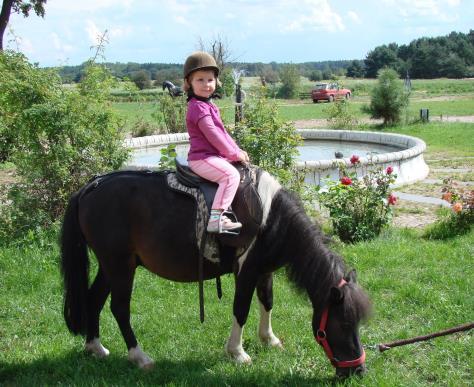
pixel 211 147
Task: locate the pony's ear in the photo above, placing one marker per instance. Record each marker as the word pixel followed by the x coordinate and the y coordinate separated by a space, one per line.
pixel 351 276
pixel 337 295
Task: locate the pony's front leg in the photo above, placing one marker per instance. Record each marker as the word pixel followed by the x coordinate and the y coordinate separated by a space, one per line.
pixel 265 298
pixel 245 283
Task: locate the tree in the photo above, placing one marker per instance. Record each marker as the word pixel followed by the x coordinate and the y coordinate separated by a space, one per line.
pixel 290 79
pixel 356 69
pixel 62 137
pixel 380 57
pixel 316 75
pixel 388 97
pixel 18 6
pixel 142 79
pixel 219 49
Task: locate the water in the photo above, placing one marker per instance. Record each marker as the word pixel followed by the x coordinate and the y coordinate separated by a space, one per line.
pixel 310 150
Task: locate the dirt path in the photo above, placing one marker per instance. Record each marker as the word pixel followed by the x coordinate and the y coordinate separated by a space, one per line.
pixel 323 123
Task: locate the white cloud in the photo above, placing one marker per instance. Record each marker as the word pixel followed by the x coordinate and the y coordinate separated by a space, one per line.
pixel 87 5
pixel 354 17
pixel 439 10
pixel 314 15
pixel 181 20
pixel 93 32
pixel 59 45
pixel 118 32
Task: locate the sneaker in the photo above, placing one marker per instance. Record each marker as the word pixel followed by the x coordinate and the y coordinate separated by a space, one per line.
pixel 222 224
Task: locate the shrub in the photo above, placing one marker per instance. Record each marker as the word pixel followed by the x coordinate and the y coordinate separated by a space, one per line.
pixel 171 113
pixel 63 137
pixel 290 79
pixel 459 219
pixel 340 116
pixel 358 208
pixel 142 128
pixel 270 142
pixel 388 98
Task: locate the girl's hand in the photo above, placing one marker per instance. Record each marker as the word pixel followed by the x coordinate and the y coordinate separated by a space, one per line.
pixel 244 157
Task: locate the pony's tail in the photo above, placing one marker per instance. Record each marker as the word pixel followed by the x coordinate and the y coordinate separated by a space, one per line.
pixel 74 269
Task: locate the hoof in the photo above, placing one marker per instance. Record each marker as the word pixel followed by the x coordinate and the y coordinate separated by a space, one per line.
pixel 238 355
pixel 140 359
pixel 95 348
pixel 272 341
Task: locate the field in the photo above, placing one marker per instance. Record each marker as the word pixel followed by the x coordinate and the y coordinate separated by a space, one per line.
pixel 443 98
pixel 417 287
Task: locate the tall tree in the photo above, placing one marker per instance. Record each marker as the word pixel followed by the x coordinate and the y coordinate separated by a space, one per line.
pixel 18 6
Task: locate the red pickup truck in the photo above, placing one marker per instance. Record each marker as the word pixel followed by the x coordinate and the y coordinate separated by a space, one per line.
pixel 329 92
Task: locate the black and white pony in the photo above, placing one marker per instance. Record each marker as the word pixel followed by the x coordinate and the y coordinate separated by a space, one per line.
pixel 132 219
pixel 174 91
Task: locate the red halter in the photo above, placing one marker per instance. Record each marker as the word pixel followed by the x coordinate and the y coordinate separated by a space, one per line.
pixel 322 339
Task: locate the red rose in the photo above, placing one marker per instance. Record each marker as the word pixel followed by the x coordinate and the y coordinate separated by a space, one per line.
pixel 392 199
pixel 389 170
pixel 346 180
pixel 354 159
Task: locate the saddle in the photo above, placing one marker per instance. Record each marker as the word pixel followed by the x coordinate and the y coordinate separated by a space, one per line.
pixel 246 205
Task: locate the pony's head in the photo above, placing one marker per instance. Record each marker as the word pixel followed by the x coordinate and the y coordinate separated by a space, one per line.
pixel 336 327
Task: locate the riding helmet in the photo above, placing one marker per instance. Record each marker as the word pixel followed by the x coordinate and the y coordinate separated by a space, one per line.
pixel 200 60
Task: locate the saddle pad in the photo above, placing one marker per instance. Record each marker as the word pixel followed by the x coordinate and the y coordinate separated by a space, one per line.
pixel 210 248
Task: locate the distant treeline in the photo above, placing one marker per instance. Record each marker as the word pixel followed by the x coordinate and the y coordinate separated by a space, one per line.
pixel 450 56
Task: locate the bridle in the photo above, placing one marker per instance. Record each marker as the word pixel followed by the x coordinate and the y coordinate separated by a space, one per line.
pixel 321 338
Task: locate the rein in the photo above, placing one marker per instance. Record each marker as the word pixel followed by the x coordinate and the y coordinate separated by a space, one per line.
pixel 321 338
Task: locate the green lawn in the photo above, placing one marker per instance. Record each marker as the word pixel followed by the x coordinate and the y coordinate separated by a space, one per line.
pixel 416 286
pixel 305 109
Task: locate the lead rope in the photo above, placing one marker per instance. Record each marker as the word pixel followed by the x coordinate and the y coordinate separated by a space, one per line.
pixel 398 343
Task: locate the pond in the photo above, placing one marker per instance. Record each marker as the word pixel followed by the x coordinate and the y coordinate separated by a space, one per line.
pixel 310 150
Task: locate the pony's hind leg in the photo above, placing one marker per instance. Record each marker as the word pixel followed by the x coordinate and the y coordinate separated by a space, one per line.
pixel 96 296
pixel 265 298
pixel 121 280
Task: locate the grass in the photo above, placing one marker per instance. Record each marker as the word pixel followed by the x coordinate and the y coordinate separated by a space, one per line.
pixel 416 286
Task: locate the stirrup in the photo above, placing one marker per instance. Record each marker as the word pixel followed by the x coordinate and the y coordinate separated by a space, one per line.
pixel 232 217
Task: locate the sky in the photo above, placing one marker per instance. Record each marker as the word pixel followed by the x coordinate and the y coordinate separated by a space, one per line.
pixel 284 31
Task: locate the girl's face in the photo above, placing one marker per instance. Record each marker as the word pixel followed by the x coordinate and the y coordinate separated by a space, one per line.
pixel 203 83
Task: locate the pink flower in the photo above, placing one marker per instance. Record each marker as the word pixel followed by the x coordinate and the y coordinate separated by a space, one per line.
pixel 389 170
pixel 392 199
pixel 354 159
pixel 346 180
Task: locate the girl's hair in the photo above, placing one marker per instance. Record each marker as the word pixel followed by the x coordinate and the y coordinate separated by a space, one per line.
pixel 187 81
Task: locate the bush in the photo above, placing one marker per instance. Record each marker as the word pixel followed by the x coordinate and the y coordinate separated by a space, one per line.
pixel 290 79
pixel 457 221
pixel 388 98
pixel 340 116
pixel 358 208
pixel 63 137
pixel 270 142
pixel 171 113
pixel 142 128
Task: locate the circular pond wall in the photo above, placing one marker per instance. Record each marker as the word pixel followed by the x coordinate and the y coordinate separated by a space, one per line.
pixel 408 163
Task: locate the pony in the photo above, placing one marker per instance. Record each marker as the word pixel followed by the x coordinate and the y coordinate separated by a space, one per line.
pixel 132 218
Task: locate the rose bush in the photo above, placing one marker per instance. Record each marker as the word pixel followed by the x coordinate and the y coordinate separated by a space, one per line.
pixel 460 218
pixel 358 207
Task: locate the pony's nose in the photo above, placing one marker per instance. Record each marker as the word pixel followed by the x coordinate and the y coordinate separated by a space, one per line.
pixel 356 371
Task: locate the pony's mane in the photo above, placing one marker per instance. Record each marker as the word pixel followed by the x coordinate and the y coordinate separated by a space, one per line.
pixel 302 247
pixel 311 265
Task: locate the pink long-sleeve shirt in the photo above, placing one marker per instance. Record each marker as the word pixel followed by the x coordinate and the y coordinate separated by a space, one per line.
pixel 207 135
